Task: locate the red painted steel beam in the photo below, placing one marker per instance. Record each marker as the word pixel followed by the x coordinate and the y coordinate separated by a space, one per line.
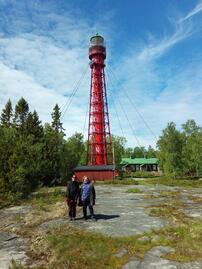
pixel 99 138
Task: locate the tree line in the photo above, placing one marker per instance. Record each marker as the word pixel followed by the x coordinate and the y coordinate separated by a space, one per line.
pixel 32 154
pixel 179 151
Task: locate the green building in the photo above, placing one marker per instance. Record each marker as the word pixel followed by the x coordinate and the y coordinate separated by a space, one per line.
pixel 140 164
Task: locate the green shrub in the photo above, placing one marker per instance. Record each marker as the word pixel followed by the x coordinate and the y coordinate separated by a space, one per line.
pixel 125 181
pixel 134 190
pixel 143 174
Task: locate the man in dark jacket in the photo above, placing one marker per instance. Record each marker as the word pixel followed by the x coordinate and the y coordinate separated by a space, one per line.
pixel 72 196
pixel 88 197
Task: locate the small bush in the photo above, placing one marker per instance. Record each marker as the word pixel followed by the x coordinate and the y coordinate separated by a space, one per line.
pixel 135 190
pixel 143 174
pixel 126 181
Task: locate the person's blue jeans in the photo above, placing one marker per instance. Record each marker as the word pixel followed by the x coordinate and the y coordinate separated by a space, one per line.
pixel 86 204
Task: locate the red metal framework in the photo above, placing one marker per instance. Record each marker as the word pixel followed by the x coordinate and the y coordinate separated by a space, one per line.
pixel 99 138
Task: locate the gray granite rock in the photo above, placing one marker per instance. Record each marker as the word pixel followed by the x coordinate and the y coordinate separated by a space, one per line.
pixel 153 260
pixel 118 213
pixel 122 214
pixel 53 224
pixel 121 253
pixel 12 247
pixel 134 263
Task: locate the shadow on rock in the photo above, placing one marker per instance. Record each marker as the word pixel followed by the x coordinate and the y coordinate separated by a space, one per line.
pixel 106 217
pixel 100 217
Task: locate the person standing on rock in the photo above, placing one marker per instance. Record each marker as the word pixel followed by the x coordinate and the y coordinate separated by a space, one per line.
pixel 72 195
pixel 88 197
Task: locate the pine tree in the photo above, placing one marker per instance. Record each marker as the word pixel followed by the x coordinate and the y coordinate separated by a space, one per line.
pixel 7 144
pixel 21 114
pixel 33 126
pixel 25 166
pixel 6 115
pixel 56 123
pixel 53 147
pixel 72 153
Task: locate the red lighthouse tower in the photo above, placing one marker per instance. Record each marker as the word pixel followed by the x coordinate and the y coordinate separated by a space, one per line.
pixel 99 137
pixel 100 159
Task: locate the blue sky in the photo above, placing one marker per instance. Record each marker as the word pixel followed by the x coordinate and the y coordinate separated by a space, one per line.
pixel 154 60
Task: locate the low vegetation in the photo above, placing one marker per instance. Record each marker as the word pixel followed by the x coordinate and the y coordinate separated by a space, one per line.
pixel 167 181
pixel 47 196
pixel 68 246
pixel 143 174
pixel 127 181
pixel 134 190
pixel 34 155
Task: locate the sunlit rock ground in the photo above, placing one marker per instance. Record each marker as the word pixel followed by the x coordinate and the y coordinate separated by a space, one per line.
pixel 118 213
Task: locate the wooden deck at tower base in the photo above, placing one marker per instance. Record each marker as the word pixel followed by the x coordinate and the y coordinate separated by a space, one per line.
pixel 95 172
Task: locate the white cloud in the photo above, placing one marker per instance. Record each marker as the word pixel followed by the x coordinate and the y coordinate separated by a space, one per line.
pixel 158 47
pixel 40 98
pixel 193 12
pixel 43 56
pixel 161 92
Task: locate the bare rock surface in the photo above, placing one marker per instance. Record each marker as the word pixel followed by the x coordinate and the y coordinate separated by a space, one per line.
pixel 121 253
pixel 119 213
pixel 12 247
pixel 9 215
pixel 53 223
pixel 153 260
pixel 192 207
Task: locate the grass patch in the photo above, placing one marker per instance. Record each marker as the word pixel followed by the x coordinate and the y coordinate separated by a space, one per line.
pixel 170 212
pixel 169 194
pixel 118 182
pixel 185 239
pixel 144 174
pixel 7 199
pixel 196 199
pixel 134 190
pixel 185 236
pixel 186 183
pixel 46 204
pixel 45 197
pixel 171 209
pixel 41 198
pixel 70 247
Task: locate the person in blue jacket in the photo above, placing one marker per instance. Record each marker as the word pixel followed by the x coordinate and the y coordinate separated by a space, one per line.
pixel 88 197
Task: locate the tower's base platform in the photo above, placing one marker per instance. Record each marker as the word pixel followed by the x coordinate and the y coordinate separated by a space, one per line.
pixel 95 172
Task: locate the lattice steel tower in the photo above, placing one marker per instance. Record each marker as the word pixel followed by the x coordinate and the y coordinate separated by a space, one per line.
pixel 99 138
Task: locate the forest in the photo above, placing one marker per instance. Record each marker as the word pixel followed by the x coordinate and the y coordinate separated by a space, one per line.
pixel 33 154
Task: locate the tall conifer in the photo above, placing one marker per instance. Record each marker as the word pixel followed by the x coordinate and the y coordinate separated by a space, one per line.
pixel 6 115
pixel 33 126
pixel 21 114
pixel 56 122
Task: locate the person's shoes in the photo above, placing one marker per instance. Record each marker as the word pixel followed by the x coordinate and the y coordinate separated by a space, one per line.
pixel 71 219
pixel 93 218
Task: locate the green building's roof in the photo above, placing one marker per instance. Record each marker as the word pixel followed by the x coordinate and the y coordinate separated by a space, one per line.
pixel 126 161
